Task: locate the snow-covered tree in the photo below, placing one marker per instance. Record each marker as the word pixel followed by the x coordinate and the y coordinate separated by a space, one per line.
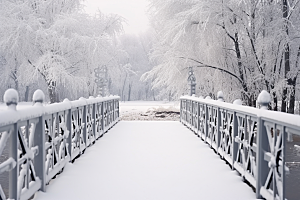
pixel 234 46
pixel 54 40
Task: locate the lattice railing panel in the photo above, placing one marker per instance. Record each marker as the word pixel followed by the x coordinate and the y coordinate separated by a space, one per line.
pixel 37 142
pixel 226 135
pixel 98 120
pixel 252 141
pixel 77 129
pixel 90 120
pixel 202 121
pixel 56 143
pixel 245 162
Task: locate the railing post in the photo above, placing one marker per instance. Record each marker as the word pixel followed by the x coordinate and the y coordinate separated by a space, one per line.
pixel 220 97
pixel 13 153
pixel 11 98
pixel 102 117
pixel 198 121
pixel 192 114
pixel 235 133
pixel 262 144
pixel 39 140
pixel 118 109
pixel 113 111
pixel 84 121
pixel 206 121
pixel 180 110
pixel 218 136
pixel 283 169
pixel 69 127
pixel 233 136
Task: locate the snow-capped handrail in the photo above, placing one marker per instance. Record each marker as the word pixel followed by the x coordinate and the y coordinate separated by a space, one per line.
pixel 39 140
pixel 251 140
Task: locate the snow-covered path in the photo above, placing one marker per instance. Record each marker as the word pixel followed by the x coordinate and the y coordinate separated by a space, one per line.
pixel 147 160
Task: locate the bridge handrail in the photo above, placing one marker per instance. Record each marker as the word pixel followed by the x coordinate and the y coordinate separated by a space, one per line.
pixel 41 139
pixel 251 140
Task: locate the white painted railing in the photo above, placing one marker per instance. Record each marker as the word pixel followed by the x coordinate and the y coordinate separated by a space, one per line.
pixel 42 139
pixel 251 140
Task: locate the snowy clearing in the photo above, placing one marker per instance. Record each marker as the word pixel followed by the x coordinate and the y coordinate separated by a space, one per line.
pixel 150 110
pixel 148 160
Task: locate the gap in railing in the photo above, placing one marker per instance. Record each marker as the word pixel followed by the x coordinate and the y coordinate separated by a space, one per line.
pixel 149 111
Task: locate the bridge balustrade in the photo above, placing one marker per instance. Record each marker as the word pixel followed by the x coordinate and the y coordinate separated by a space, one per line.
pixel 41 139
pixel 251 140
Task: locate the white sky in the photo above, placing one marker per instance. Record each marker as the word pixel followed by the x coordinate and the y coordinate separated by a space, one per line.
pixel 134 11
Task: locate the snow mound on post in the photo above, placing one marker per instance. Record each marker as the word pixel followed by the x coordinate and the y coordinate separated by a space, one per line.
pixel 220 95
pixel 237 102
pixel 38 96
pixel 11 96
pixel 264 97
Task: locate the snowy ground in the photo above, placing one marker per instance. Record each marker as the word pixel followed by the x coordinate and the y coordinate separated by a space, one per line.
pixel 149 110
pixel 148 161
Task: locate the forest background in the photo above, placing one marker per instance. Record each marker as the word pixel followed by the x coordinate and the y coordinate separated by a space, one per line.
pixel 240 47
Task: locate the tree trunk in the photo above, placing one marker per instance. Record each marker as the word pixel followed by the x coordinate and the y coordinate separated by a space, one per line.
pixel 52 92
pixel 153 95
pixel 27 94
pixel 240 67
pixel 124 88
pixel 286 54
pixel 291 108
pixel 275 107
pixel 129 91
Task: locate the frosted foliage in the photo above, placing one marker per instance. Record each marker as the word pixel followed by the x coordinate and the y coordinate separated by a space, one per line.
pixel 264 97
pixel 11 96
pixel 53 43
pixel 230 44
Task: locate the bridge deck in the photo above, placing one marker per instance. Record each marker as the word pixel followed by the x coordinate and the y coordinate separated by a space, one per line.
pixel 148 160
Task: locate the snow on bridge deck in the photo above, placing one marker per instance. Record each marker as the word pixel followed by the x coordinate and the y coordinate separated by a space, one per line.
pixel 147 160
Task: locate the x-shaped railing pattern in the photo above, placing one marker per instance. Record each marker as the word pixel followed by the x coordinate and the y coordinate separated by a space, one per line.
pixel 251 140
pixel 37 142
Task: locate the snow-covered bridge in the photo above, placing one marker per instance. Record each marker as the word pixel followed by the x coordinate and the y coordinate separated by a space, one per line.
pixel 61 150
pixel 148 160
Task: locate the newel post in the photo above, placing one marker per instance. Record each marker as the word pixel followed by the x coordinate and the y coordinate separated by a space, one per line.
pixel 220 96
pixel 39 140
pixel 11 99
pixel 263 100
